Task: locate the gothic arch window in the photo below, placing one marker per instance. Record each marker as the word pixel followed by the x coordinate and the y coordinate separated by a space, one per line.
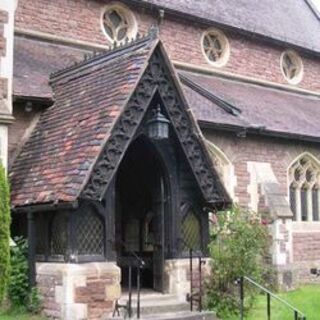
pixel 215 47
pixel 223 167
pixel 291 66
pixel 191 231
pixel 118 23
pixel 304 188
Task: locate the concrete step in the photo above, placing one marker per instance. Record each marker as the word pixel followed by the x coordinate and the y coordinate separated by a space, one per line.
pixel 183 315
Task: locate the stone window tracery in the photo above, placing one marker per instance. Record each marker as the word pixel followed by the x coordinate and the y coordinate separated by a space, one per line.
pixel 304 178
pixel 291 67
pixel 118 23
pixel 215 47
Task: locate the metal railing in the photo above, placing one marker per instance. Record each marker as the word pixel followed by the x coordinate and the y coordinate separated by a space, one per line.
pixel 140 264
pixel 196 294
pixel 297 314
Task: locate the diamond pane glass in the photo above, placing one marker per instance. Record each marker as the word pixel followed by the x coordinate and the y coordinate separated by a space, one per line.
pixel 90 233
pixel 41 234
pixel 59 234
pixel 191 232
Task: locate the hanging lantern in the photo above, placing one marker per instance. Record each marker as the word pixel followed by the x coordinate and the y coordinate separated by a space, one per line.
pixel 158 125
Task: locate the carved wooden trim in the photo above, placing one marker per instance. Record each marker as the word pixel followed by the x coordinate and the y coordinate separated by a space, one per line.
pixel 208 181
pixel 155 76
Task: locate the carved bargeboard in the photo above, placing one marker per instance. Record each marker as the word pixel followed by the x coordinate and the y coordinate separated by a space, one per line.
pixel 155 77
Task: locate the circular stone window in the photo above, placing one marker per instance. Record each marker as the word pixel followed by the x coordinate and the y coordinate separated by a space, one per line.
pixel 118 23
pixel 291 67
pixel 215 47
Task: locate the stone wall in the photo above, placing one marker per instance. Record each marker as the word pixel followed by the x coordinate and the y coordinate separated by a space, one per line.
pixel 296 245
pixel 177 276
pixel 78 291
pixel 81 20
pixel 7 10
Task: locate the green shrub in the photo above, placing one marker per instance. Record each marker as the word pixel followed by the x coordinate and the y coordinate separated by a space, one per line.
pixel 239 247
pixel 4 233
pixel 34 302
pixel 21 296
pixel 18 290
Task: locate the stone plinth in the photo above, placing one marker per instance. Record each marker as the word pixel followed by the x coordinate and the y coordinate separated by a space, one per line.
pixel 177 276
pixel 78 291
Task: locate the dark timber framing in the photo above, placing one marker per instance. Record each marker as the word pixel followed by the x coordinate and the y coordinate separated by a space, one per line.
pixel 189 180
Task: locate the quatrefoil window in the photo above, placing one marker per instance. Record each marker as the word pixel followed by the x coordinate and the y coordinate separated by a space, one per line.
pixel 215 47
pixel 291 67
pixel 118 23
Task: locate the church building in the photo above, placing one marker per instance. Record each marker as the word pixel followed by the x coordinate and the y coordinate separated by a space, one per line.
pixel 125 125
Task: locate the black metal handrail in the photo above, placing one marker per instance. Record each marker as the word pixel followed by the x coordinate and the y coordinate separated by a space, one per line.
pixel 298 315
pixel 140 265
pixel 195 296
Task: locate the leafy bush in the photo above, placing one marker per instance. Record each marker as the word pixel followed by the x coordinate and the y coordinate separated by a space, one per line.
pixel 18 290
pixel 4 233
pixel 21 296
pixel 239 247
pixel 34 301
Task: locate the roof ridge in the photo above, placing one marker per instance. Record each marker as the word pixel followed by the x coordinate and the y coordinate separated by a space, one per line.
pixel 226 106
pixel 110 53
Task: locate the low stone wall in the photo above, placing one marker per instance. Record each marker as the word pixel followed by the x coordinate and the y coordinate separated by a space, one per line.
pixel 177 276
pixel 78 291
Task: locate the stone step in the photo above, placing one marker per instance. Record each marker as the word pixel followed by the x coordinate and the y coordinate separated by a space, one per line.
pixel 152 297
pixel 161 307
pixel 182 315
pixel 154 303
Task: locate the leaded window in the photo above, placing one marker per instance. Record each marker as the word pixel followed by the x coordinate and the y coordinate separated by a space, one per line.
pixel 215 47
pixel 59 236
pixel 118 23
pixel 191 231
pixel 292 67
pixel 89 233
pixel 304 176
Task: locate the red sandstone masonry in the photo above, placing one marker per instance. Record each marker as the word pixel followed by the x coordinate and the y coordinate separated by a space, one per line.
pixel 80 20
pixel 306 246
pixel 280 153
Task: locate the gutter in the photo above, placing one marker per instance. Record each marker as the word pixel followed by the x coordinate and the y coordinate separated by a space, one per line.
pixel 243 131
pixel 45 207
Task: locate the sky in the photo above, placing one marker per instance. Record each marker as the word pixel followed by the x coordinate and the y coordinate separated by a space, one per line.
pixel 317 3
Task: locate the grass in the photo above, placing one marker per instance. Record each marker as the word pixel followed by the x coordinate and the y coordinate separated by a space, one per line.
pixel 18 315
pixel 305 299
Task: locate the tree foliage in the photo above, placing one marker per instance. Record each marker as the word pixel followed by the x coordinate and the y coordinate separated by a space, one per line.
pixel 5 221
pixel 240 244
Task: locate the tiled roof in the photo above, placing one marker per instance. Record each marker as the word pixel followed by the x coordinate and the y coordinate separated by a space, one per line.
pixel 291 21
pixel 35 60
pixel 55 162
pixel 263 108
pixel 278 110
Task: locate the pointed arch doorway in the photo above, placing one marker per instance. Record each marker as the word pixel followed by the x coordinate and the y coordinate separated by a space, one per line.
pixel 142 207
